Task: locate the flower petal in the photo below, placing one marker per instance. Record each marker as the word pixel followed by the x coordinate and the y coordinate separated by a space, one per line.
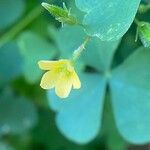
pixel 48 80
pixel 63 86
pixel 76 81
pixel 48 65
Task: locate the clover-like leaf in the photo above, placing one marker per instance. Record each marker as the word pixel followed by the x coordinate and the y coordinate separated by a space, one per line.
pixel 79 116
pixel 108 20
pixel 130 88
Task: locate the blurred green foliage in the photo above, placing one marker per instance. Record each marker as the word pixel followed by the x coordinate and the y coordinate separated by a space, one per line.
pixel 110 111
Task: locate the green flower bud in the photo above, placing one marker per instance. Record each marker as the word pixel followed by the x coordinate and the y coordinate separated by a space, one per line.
pixel 61 14
pixel 144 33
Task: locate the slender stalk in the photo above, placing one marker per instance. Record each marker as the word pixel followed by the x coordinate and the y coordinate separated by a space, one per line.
pixel 136 35
pixel 77 52
pixel 10 34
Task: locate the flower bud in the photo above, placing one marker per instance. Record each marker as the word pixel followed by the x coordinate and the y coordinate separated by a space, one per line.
pixel 61 14
pixel 144 33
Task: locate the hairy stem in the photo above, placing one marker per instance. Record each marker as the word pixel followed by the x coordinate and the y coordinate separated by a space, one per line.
pixel 77 52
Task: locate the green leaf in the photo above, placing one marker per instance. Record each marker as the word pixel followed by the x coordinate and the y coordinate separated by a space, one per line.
pixel 17 114
pixel 11 62
pixel 34 48
pixel 130 90
pixel 10 11
pixel 79 116
pixel 98 54
pixel 108 20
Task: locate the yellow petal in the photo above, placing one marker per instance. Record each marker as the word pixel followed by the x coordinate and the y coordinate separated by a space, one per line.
pixel 76 81
pixel 48 80
pixel 47 65
pixel 63 86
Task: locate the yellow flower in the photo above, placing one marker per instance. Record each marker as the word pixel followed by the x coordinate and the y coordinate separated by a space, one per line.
pixel 60 75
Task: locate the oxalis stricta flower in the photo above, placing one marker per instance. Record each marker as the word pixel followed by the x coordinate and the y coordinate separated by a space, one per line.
pixel 60 75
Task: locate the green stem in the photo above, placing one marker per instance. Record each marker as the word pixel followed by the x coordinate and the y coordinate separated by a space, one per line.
pixel 136 35
pixel 10 34
pixel 138 23
pixel 77 52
